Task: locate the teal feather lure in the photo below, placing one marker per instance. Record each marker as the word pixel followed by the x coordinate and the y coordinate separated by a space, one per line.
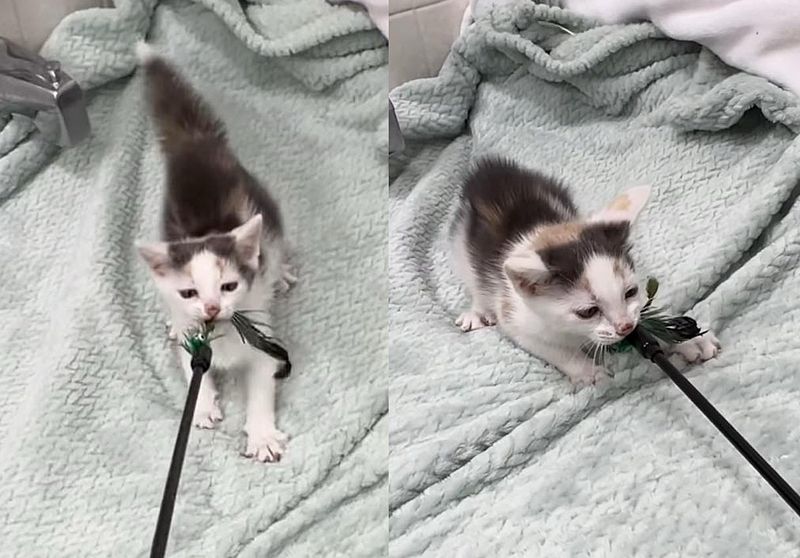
pixel 670 330
pixel 249 333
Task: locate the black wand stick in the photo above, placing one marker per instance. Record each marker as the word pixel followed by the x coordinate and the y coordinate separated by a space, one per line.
pixel 197 343
pixel 649 348
pixel 201 362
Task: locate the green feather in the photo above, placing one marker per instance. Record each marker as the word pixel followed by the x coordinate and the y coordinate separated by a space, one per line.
pixel 196 338
pixel 652 288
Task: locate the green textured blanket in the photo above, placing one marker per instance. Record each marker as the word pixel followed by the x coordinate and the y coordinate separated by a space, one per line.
pixel 492 454
pixel 90 393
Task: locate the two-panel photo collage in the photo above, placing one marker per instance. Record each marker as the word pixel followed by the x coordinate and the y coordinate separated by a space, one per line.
pixel 400 278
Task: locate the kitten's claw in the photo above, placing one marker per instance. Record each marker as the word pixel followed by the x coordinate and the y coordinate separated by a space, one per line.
pixel 266 444
pixel 699 349
pixel 472 320
pixel 207 414
pixel 288 278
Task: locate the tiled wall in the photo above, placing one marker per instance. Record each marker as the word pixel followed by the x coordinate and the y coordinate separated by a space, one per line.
pixel 29 22
pixel 424 31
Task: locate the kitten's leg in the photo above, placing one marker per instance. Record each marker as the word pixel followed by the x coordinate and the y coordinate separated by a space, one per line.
pixel 699 349
pixel 264 441
pixel 479 315
pixel 207 412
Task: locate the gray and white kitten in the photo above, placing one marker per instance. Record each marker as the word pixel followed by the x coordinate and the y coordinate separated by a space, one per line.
pixel 222 248
pixel 560 286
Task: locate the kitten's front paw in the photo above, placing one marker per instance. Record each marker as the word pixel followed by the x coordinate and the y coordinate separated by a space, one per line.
pixel 699 349
pixel 288 278
pixel 472 320
pixel 586 375
pixel 266 444
pixel 207 413
pixel 172 335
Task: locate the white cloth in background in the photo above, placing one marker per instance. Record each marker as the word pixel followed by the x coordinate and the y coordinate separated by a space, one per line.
pixel 378 11
pixel 758 36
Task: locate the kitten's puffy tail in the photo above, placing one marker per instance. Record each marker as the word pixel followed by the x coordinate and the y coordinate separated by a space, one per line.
pixel 181 116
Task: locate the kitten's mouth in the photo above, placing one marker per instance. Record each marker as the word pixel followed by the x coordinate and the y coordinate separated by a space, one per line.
pixel 609 341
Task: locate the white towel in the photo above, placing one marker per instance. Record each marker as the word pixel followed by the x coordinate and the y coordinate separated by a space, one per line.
pixel 758 36
pixel 378 11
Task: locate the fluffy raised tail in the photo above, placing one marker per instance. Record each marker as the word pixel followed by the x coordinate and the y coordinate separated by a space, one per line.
pixel 181 116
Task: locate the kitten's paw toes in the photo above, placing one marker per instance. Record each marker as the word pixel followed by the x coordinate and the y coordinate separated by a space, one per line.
pixel 207 414
pixel 288 278
pixel 172 335
pixel 472 320
pixel 587 376
pixel 266 445
pixel 699 349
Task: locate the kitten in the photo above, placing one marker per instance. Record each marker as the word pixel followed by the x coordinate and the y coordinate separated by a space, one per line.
pixel 223 248
pixel 559 286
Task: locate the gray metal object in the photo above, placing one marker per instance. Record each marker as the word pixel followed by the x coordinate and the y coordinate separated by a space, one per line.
pixel 40 90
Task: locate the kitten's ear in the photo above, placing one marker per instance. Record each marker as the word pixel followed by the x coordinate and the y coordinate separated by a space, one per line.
pixel 155 255
pixel 527 272
pixel 248 240
pixel 624 208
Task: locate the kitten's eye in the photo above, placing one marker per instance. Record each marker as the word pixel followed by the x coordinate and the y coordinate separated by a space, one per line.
pixel 586 313
pixel 632 292
pixel 188 293
pixel 230 287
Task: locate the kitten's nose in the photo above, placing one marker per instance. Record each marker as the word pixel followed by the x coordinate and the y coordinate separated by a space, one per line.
pixel 623 328
pixel 211 310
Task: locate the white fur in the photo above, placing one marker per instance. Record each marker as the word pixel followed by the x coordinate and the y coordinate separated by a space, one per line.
pixel 145 52
pixel 481 313
pixel 206 274
pixel 609 290
pixel 698 349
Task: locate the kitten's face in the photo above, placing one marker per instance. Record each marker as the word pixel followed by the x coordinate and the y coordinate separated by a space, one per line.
pixel 206 279
pixel 579 277
pixel 207 288
pixel 603 305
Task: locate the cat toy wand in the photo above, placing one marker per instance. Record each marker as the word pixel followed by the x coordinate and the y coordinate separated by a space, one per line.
pixel 198 344
pixel 654 327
